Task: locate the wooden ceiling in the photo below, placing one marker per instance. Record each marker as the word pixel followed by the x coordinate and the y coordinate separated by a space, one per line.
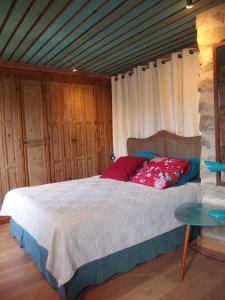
pixel 103 36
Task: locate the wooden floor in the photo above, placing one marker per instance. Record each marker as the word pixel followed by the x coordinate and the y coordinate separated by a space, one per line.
pixel 159 279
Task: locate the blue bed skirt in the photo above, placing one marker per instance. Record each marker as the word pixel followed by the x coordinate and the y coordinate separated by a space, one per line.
pixel 102 269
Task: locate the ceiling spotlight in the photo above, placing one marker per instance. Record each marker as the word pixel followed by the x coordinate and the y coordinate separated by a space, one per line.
pixel 74 69
pixel 189 4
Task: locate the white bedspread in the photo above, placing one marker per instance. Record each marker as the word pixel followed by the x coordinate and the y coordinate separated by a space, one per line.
pixel 83 220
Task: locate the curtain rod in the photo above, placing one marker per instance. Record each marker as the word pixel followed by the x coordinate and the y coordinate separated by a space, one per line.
pixel 163 61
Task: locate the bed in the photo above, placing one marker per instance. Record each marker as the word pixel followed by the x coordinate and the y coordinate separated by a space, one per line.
pixel 82 232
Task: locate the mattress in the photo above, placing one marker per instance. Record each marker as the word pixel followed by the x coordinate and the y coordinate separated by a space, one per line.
pixel 81 221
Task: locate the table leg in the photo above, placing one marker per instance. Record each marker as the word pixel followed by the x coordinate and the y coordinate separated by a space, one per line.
pixel 187 237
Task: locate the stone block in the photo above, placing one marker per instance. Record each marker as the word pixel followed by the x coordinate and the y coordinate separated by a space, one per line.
pixel 207 122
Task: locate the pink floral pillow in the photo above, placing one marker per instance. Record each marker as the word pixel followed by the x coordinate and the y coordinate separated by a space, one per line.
pixel 161 172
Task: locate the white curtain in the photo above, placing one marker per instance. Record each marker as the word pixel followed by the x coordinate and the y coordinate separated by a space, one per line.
pixel 162 97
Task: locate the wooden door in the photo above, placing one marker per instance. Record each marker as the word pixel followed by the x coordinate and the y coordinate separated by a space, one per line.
pixel 104 127
pixel 35 133
pixel 11 152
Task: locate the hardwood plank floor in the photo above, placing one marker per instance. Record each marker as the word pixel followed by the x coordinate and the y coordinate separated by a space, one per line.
pixel 156 280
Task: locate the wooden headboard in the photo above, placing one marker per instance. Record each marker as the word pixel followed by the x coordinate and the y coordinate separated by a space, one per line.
pixel 168 144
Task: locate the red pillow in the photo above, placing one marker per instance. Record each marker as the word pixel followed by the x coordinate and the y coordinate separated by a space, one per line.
pixel 124 168
pixel 161 172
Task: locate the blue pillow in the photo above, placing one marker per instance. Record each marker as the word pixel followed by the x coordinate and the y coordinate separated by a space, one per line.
pixel 192 174
pixel 149 155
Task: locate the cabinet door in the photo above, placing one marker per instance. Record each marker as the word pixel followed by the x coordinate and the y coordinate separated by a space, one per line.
pixel 104 127
pixel 35 135
pixel 72 130
pixel 90 130
pixel 11 154
pixel 78 132
pixel 54 104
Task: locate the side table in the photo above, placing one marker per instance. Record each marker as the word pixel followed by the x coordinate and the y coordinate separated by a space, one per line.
pixel 195 214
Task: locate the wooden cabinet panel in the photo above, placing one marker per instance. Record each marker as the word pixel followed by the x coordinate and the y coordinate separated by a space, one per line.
pixel 80 130
pixel 56 131
pixel 78 141
pixel 51 131
pixel 36 165
pixel 35 135
pixel 75 108
pixel 90 130
pixel 77 103
pixel 11 166
pixel 104 127
pixel 67 134
pixel 57 171
pixel 81 169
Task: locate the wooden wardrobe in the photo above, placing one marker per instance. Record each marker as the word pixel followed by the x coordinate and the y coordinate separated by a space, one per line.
pixel 53 127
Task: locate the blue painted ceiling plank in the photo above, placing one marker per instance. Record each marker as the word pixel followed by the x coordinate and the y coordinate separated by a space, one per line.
pixel 157 53
pixel 66 30
pixel 87 24
pixel 79 40
pixel 13 20
pixel 5 5
pixel 135 22
pixel 112 49
pixel 156 42
pixel 154 37
pixel 37 29
pixel 53 28
pixel 148 50
pixel 24 27
pixel 154 24
pixel 118 18
pixel 95 30
pixel 115 47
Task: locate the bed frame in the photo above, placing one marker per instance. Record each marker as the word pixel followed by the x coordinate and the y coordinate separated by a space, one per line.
pixel 96 272
pixel 168 144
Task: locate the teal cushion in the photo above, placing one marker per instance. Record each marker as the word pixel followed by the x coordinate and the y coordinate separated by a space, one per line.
pixel 193 174
pixel 149 155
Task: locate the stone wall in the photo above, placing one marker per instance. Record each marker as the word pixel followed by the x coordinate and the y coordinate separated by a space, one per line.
pixel 210 30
